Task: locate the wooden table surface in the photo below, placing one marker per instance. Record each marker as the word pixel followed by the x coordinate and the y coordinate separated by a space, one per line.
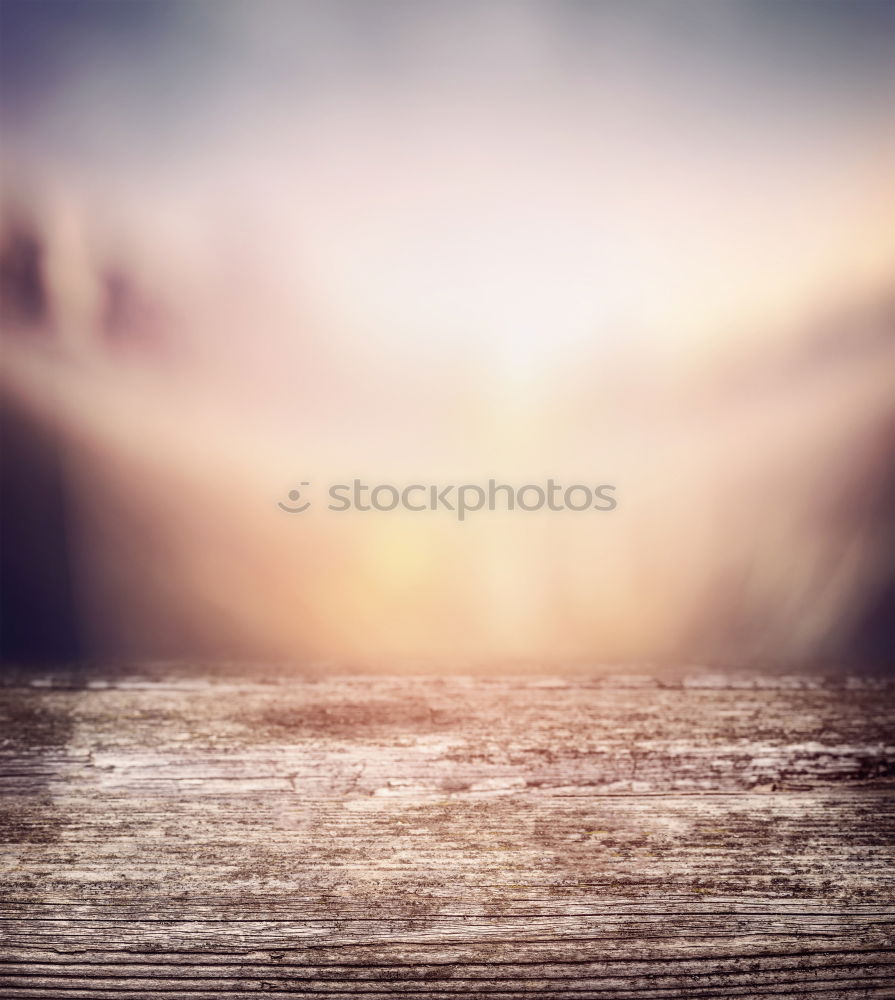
pixel 384 836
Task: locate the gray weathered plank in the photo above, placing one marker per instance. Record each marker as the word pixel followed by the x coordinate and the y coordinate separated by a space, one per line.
pixel 423 836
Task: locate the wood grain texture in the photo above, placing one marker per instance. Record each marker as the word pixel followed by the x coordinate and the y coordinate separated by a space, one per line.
pixel 421 837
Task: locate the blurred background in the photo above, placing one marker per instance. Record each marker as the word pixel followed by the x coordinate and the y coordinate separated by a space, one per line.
pixel 245 245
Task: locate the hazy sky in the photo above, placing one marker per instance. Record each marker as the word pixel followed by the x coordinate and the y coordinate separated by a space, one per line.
pixel 499 176
pixel 493 238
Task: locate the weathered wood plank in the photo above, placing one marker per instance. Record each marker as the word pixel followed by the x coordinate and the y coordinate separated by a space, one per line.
pixel 416 836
